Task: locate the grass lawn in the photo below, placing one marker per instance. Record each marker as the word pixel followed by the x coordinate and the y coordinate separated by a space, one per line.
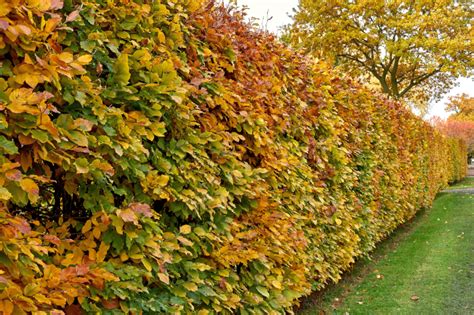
pixel 465 183
pixel 426 267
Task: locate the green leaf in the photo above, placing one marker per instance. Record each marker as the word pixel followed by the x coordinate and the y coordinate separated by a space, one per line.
pixel 78 138
pixel 41 136
pixel 207 291
pixel 8 146
pixel 81 97
pixel 88 45
pixel 122 70
pixel 19 196
pixel 3 122
pixel 129 24
pixel 263 291
pixel 82 166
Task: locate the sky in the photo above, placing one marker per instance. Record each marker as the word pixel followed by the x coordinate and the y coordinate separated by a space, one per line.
pixel 279 10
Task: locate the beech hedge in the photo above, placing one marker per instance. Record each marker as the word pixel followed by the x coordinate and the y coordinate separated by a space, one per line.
pixel 166 157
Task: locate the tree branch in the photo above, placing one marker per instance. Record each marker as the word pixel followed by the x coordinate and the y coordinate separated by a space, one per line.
pixel 419 79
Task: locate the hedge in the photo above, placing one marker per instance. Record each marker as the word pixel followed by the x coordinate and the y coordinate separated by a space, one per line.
pixel 165 157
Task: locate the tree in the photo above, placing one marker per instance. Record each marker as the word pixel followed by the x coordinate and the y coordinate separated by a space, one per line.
pixel 414 49
pixel 463 107
pixel 461 123
pixel 455 128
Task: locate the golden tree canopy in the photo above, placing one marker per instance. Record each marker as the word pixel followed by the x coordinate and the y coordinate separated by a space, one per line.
pixel 414 49
pixel 463 107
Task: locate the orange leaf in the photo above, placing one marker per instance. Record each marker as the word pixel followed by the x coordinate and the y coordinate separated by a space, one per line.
pixel 128 215
pixel 6 307
pixel 84 124
pixel 110 304
pixel 14 175
pixel 141 208
pixel 73 309
pixel 26 140
pixel 102 252
pixel 47 124
pixel 26 160
pixel 87 226
pixel 72 16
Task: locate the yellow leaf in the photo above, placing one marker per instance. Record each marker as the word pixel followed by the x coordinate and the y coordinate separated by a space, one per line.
pixel 168 236
pixel 119 227
pixel 276 284
pixel 136 256
pixel 5 8
pixel 202 267
pixel 162 180
pixel 42 299
pixel 146 264
pixel 92 254
pixel 33 80
pixel 338 221
pixel 66 57
pixel 4 194
pixel 190 286
pixel 87 226
pixel 29 186
pixel 84 59
pixel 161 37
pixel 185 229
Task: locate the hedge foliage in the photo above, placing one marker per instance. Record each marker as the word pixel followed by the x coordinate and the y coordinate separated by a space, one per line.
pixel 163 157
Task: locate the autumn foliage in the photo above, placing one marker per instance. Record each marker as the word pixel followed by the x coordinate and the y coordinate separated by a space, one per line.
pixel 454 128
pixel 163 157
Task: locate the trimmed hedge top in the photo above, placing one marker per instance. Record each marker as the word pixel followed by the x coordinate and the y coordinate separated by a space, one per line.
pixel 164 157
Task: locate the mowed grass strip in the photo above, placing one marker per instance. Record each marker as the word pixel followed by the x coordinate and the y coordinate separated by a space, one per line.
pixel 467 182
pixel 426 268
